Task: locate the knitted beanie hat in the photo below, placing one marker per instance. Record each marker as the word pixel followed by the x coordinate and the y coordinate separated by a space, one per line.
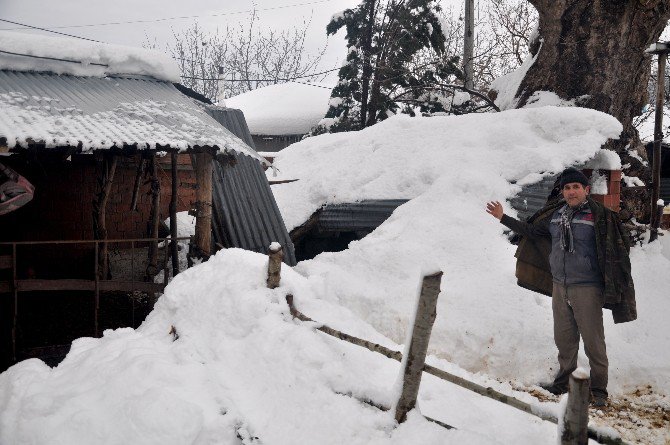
pixel 571 175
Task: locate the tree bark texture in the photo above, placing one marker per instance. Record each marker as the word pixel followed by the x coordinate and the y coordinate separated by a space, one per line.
pixel 593 52
pixel 367 68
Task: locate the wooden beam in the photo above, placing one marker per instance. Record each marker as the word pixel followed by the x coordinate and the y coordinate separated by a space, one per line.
pixel 154 220
pixel 203 206
pixel 418 348
pixel 658 144
pixel 173 216
pixel 100 206
pixel 80 285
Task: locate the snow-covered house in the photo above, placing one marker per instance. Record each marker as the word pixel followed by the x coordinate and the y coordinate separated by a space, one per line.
pixel 101 131
pixel 280 115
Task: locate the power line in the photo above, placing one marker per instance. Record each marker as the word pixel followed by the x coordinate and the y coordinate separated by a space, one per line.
pixel 131 22
pixel 51 58
pixel 262 80
pixel 47 30
pixel 187 77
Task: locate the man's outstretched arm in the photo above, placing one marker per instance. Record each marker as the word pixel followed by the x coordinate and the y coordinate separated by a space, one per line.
pixel 522 228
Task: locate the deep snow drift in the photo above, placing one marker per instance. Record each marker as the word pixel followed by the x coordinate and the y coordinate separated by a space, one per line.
pixel 240 369
pixel 449 167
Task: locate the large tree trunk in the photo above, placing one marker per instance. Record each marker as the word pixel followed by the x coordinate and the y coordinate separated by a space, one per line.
pixel 593 52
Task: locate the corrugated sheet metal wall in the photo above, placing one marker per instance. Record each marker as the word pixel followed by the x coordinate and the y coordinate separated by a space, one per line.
pixel 245 212
pixel 365 215
pixel 533 197
pixel 233 120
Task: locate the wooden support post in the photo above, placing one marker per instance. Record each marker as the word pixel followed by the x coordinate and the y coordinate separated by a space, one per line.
pixel 576 420
pixel 96 311
pixel 275 256
pixel 152 263
pixel 416 357
pixel 203 206
pixel 138 180
pixel 100 206
pixel 658 143
pixel 15 302
pixel 173 216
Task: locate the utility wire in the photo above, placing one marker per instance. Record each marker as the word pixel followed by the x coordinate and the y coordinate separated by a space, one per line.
pixel 47 30
pixel 261 80
pixel 130 22
pixel 185 77
pixel 51 58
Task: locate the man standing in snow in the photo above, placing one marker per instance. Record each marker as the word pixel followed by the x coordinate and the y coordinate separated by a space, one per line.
pixel 576 251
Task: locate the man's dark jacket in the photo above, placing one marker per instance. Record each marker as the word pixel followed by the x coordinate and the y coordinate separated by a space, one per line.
pixel 612 245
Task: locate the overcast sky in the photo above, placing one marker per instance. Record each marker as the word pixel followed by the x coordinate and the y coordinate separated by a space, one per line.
pixel 75 16
pixel 156 20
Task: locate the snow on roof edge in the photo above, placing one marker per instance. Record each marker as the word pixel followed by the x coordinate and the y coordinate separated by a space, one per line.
pixel 36 53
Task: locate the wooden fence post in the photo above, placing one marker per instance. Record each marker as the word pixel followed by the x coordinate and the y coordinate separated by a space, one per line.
pixel 414 362
pixel 275 256
pixel 576 419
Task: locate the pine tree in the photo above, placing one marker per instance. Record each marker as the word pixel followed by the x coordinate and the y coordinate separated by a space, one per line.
pixel 395 56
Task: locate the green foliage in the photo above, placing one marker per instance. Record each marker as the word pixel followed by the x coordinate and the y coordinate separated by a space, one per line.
pixel 396 53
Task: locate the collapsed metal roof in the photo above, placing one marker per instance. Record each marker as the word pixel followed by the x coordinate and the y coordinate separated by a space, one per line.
pixel 533 197
pixel 245 213
pixel 234 122
pixel 99 113
pixel 357 216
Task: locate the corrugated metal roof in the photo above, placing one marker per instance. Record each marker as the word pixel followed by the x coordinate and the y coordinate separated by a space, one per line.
pixel 364 216
pixel 245 213
pixel 99 113
pixel 233 120
pixel 533 197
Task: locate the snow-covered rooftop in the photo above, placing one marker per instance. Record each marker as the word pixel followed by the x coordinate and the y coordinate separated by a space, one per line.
pixel 79 57
pixel 99 113
pixel 449 167
pixel 282 109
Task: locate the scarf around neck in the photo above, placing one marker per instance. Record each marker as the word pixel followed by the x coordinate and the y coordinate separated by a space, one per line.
pixel 565 225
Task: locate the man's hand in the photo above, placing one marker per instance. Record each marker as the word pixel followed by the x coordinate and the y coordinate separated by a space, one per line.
pixel 495 208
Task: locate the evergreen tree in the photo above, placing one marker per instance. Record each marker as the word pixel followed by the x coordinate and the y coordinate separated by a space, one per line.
pixel 395 56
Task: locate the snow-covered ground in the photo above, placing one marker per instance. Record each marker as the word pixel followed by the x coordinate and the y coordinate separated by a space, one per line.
pixel 450 166
pixel 241 368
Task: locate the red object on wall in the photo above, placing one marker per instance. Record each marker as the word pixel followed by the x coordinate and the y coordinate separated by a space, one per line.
pixel 612 200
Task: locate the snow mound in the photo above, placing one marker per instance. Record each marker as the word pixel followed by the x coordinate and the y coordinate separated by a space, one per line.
pixel 235 369
pixel 450 167
pixel 88 59
pixel 282 109
pixel 475 155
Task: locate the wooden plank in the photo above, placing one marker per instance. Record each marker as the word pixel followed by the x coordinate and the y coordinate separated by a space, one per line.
pixel 81 285
pixel 414 364
pixel 49 285
pixel 129 286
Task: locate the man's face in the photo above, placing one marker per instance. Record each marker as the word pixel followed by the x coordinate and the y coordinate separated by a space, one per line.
pixel 575 193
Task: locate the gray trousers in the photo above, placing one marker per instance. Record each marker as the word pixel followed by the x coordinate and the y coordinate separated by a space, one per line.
pixel 578 310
